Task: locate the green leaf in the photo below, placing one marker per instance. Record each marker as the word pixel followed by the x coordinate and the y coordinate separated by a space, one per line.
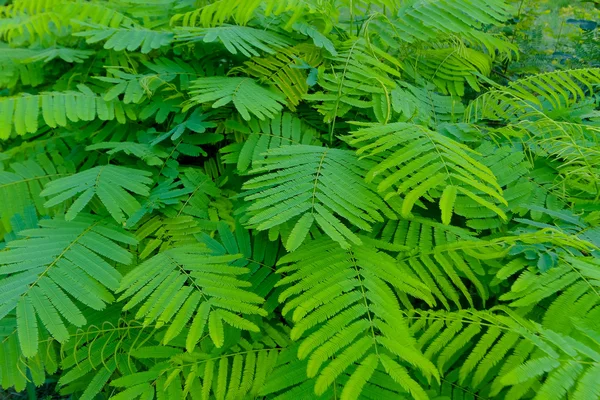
pixel 247 96
pixel 20 113
pixel 110 183
pixel 126 38
pixel 62 261
pixel 299 232
pixel 245 40
pixel 530 369
pixel 447 203
pixel 98 381
pixel 215 329
pixel 27 327
pixel 300 180
pixel 400 375
pixel 418 162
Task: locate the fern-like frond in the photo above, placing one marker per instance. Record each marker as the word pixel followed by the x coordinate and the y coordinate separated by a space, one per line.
pixel 526 97
pixel 54 264
pixel 506 355
pixel 449 69
pixel 138 87
pixel 247 96
pixel 217 13
pixel 106 348
pixel 346 313
pixel 513 174
pixel 99 13
pixel 112 184
pixel 21 186
pixel 33 7
pixel 495 45
pixel 425 20
pixel 44 21
pixel 198 207
pixel 303 184
pixel 14 70
pixel 19 114
pixel 424 164
pixel 421 233
pixel 243 11
pixel 164 194
pixel 241 370
pixel 359 76
pixel 447 269
pixel 287 69
pixel 169 231
pixel 161 233
pixel 168 69
pixel 259 255
pixel 190 283
pixel 450 267
pixel 30 58
pixel 13 363
pixel 19 28
pixel 128 85
pixel 573 143
pixel 236 39
pixel 318 38
pixel 203 194
pixel 60 148
pixel 282 130
pixel 126 38
pixel 531 107
pixel 149 154
pixel 425 106
pixel 572 286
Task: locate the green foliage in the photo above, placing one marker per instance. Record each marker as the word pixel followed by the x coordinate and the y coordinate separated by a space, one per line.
pixel 130 39
pixel 110 183
pixel 183 283
pixel 418 162
pixel 304 184
pixel 236 39
pixel 282 130
pixel 346 300
pixel 246 95
pixel 20 113
pixel 261 199
pixel 60 257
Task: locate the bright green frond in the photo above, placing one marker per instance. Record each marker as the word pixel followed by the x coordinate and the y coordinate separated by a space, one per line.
pixel 282 130
pixel 288 70
pixel 186 284
pixel 247 96
pixel 19 115
pixel 526 96
pixel 55 264
pixel 345 310
pixel 450 68
pixel 300 199
pixel 112 184
pixel 130 38
pixel 418 163
pixel 304 180
pixel 360 75
pixel 21 187
pixel 424 20
pixel 236 39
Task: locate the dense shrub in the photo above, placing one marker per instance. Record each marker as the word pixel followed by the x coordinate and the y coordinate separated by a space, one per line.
pixel 299 199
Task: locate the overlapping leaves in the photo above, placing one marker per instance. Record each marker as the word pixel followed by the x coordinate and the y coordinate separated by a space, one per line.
pixel 308 186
